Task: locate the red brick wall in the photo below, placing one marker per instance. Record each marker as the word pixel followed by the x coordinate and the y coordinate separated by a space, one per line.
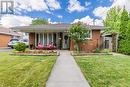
pixel 32 39
pixel 4 39
pixel 90 45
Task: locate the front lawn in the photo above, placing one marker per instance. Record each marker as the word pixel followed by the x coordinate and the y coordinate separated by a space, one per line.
pixel 25 71
pixel 106 71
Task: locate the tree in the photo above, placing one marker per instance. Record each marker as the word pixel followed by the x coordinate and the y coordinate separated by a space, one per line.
pixel 39 21
pixel 128 30
pixel 124 38
pixel 78 33
pixel 124 24
pixel 113 20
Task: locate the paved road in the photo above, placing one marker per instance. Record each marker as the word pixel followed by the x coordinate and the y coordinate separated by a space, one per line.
pixel 5 49
pixel 66 73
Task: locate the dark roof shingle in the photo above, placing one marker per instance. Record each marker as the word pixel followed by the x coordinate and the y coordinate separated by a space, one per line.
pixel 53 27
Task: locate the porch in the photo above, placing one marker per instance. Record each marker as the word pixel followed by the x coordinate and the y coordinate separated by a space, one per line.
pixel 59 40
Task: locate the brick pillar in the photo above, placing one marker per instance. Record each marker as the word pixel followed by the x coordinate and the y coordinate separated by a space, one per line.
pixel 32 39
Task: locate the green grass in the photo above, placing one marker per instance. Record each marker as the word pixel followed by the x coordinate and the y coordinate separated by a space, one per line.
pixel 25 71
pixel 106 71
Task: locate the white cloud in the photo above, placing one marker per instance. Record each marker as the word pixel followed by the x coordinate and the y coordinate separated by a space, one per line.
pixel 29 5
pixel 87 3
pixel 88 20
pixel 75 5
pixel 13 20
pixel 36 5
pixel 50 22
pixel 49 12
pixel 98 22
pixel 60 16
pixel 101 12
pixel 53 4
pixel 122 3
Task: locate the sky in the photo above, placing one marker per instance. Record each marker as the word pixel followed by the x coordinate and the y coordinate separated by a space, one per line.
pixel 61 11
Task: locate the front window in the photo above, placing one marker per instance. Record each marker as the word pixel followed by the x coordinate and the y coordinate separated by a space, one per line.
pixel 50 37
pixel 45 39
pixel 89 35
pixel 37 39
pixel 41 38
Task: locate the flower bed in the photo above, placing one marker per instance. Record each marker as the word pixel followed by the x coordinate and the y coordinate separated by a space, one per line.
pixel 37 53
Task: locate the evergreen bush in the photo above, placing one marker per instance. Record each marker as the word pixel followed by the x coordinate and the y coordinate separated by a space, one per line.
pixel 20 47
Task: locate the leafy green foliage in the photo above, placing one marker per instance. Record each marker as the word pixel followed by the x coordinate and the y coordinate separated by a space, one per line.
pixel 118 21
pixel 113 20
pixel 128 30
pixel 124 47
pixel 97 50
pixel 78 33
pixel 105 51
pixel 124 37
pixel 39 21
pixel 124 24
pixel 20 47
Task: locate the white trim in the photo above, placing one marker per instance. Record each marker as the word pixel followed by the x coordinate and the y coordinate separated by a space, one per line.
pixel 39 37
pixel 91 35
pixel 43 38
pixel 35 39
pixel 47 38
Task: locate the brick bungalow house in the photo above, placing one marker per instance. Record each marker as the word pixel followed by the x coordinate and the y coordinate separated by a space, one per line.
pixel 58 34
pixel 5 35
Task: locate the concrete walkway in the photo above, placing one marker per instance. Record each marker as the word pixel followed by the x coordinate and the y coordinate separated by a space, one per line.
pixel 66 73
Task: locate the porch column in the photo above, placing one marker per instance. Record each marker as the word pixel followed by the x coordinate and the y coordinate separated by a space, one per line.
pixel 47 38
pixel 35 39
pixel 43 38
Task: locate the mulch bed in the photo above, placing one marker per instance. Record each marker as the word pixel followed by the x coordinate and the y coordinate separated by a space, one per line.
pixel 87 54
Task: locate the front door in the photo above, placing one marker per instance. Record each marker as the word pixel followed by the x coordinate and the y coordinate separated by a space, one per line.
pixel 65 41
pixel 108 43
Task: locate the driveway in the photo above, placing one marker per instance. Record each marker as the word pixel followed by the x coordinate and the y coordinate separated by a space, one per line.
pixel 5 49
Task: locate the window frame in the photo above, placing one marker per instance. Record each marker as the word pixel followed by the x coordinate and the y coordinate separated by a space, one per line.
pixel 90 35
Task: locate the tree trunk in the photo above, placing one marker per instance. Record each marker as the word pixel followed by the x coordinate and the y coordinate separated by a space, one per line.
pixel 77 46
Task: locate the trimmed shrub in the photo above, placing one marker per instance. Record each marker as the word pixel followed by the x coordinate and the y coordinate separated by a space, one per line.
pixel 20 47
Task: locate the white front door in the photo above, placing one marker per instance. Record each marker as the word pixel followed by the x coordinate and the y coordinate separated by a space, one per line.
pixel 108 43
pixel 65 41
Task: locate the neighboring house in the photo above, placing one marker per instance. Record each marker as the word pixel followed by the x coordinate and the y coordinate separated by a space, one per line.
pixel 5 35
pixel 58 34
